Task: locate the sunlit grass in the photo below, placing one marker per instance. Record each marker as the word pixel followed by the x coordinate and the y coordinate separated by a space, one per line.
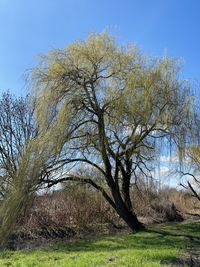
pixel 140 249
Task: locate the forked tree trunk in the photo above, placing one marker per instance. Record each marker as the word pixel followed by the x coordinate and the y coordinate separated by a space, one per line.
pixel 126 214
pixel 131 219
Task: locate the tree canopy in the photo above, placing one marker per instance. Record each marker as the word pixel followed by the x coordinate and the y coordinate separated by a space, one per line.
pixel 101 108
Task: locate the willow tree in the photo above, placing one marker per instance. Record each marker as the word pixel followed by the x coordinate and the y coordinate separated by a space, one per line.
pixel 104 107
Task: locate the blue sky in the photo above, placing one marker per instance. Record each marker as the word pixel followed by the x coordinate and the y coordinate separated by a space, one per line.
pixel 30 27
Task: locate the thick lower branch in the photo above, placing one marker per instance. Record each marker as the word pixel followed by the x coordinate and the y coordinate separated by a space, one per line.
pixel 84 180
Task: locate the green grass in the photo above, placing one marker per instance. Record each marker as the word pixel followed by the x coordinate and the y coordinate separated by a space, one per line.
pixel 140 249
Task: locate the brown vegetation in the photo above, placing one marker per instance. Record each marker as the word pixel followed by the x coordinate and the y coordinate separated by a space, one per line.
pixel 81 207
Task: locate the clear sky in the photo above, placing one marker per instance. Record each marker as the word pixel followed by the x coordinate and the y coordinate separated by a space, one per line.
pixel 30 27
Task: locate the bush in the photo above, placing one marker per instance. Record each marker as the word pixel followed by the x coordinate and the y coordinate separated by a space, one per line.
pixel 167 211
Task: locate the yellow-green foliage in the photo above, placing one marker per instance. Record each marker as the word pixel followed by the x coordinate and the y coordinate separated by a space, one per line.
pixel 145 89
pixel 39 153
pixel 133 92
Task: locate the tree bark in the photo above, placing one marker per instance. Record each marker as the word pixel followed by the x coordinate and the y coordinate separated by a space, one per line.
pixel 131 219
pixel 126 192
pixel 125 213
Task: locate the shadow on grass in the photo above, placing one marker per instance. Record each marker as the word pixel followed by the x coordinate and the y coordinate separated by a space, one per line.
pixel 167 233
pixel 189 228
pixel 190 231
pixel 140 245
pixel 182 262
pixel 170 237
pixel 159 243
pixel 139 241
pixel 152 240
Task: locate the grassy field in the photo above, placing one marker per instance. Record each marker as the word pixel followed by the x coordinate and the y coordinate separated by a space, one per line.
pixel 160 244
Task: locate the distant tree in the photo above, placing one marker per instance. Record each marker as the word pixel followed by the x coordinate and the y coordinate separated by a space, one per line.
pixel 17 127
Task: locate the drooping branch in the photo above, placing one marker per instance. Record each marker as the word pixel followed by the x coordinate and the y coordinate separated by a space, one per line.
pixel 84 180
pixel 190 186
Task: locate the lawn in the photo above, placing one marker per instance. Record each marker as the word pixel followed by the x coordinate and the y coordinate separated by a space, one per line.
pixel 150 248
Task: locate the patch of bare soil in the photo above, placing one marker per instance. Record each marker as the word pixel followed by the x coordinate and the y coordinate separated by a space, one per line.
pixel 45 236
pixel 188 258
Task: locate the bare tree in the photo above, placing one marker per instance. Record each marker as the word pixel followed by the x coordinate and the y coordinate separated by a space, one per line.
pixel 192 183
pixel 16 128
pixel 22 159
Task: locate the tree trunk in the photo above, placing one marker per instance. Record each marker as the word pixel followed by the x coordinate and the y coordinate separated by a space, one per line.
pixel 126 192
pixel 126 214
pixel 131 219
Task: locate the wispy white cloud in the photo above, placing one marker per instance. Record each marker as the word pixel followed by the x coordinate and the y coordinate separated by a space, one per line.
pixel 174 159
